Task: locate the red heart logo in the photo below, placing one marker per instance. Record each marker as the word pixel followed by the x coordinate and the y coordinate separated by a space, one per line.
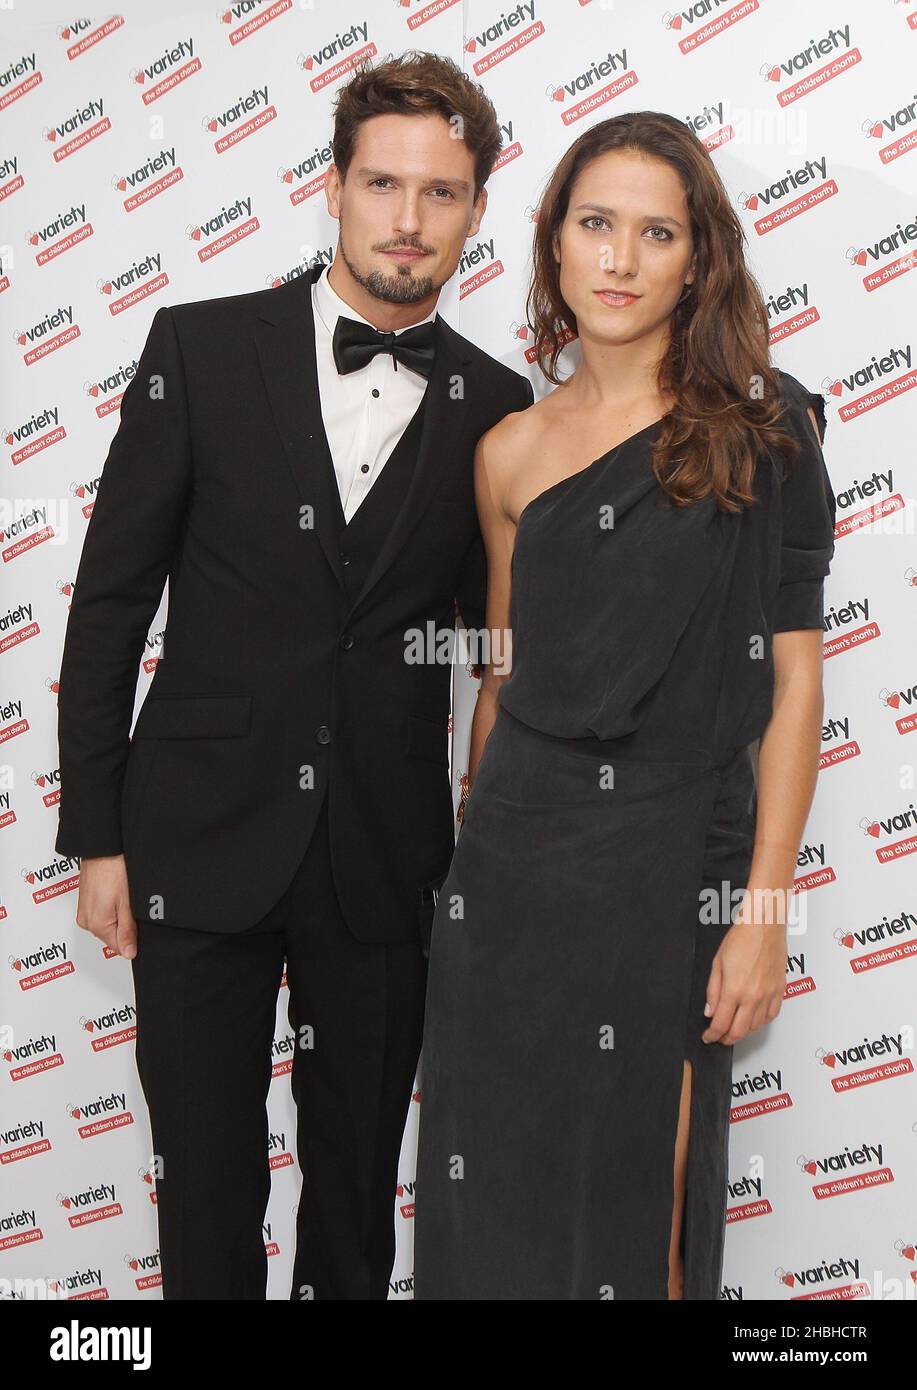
pixel 211 125
pixel 22 339
pixel 135 1264
pixel 77 1112
pixel 873 830
pixel 774 75
pixel 522 332
pixel 9 439
pixel 106 288
pixel 8 1056
pixel 811 1168
pixel 829 1059
pixel 559 94
pixel 17 964
pixel 52 134
pixel 876 130
pixel 30 877
pixel 847 940
pixel 196 234
pixel 309 62
pixel 40 779
pixel 860 258
pixel 752 202
pixel 227 17
pixel 34 238
pixel 909 1252
pixel 93 390
pixel 676 22
pixel 835 388
pixel 288 176
pixel 66 1202
pixel 141 77
pixel 894 700
pixel 122 184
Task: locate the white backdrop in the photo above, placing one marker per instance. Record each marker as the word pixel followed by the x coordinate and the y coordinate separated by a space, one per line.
pixel 178 152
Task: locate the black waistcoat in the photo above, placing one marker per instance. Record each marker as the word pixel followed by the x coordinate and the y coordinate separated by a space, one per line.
pixel 361 538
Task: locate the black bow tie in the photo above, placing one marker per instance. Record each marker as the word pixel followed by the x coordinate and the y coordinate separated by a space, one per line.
pixel 355 344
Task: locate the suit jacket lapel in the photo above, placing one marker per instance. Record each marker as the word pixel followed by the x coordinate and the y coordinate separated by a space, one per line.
pixel 285 337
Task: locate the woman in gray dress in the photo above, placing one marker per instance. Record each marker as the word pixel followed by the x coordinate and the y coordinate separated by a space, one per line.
pixel 658 530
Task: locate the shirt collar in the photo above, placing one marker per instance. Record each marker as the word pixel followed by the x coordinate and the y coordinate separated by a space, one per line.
pixel 330 306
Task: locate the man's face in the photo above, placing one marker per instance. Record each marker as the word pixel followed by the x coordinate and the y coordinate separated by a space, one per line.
pixel 406 207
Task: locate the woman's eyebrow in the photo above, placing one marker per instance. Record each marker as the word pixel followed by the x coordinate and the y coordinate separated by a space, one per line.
pixel 610 212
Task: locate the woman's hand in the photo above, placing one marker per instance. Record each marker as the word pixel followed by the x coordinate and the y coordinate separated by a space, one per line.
pixel 747 980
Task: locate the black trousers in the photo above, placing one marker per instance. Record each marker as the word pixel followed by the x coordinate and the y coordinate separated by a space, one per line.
pixel 206 1010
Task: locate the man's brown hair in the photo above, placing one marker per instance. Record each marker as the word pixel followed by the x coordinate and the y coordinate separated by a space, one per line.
pixel 413 84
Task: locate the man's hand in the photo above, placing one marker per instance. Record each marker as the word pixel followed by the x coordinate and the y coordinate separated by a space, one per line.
pixel 104 905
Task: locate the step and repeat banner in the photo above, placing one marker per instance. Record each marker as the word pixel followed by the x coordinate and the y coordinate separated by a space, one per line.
pixel 179 151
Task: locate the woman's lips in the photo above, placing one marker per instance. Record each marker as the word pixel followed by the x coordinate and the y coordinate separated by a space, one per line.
pixel 617 300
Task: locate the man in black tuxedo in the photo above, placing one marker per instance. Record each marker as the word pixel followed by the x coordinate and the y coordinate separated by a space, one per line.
pixel 298 462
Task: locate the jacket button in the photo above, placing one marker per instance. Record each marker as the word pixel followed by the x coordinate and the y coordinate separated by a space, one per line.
pixel 347 640
pixel 323 734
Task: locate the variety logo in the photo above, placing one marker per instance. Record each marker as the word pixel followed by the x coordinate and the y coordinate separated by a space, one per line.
pixel 887 245
pixel 780 189
pixel 892 123
pixel 260 14
pixel 56 236
pixel 18 79
pixel 92 1204
pixel 588 80
pixel 310 172
pixel 877 369
pixel 726 13
pixel 805 61
pixel 58 876
pixel 30 436
pixel 149 179
pixel 89 36
pixel 794 301
pixel 223 223
pixel 864 1052
pixel 819 1275
pixel 137 280
pixel 332 53
pixel 257 98
pixel 24 1141
pixel 43 965
pixel 43 337
pixel 171 68
pixel 508 32
pixel 111 1029
pixel 33 1056
pixel 146 1268
pixel 101 1115
pixel 81 127
pixel 859 1169
pixel 901 821
pixel 107 392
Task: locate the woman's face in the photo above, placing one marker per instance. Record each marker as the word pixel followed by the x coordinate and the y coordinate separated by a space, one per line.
pixel 627 229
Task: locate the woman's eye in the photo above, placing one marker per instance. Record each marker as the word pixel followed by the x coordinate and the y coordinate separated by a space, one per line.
pixel 666 234
pixel 594 218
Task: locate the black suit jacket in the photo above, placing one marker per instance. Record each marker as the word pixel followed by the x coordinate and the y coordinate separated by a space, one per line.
pixel 273 686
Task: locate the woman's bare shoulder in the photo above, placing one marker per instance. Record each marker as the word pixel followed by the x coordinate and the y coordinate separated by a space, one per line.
pixel 509 442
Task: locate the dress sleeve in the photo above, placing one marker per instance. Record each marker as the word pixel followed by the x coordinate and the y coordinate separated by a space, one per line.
pixel 809 512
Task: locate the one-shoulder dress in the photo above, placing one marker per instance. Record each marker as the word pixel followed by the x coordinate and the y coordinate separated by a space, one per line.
pixel 612 816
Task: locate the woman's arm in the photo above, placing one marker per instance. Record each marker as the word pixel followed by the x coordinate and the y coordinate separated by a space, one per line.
pixel 748 977
pixel 491 467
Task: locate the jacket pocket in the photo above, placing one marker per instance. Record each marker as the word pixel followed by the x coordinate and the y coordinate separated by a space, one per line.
pixel 428 738
pixel 194 716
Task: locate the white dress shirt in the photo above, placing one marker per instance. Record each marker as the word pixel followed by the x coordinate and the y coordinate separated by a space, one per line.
pixel 364 412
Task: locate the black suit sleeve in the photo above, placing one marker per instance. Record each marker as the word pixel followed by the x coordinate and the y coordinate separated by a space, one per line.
pixel 471 587
pixel 809 511
pixel 131 540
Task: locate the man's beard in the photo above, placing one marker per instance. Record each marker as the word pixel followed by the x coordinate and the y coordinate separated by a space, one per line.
pixel 402 286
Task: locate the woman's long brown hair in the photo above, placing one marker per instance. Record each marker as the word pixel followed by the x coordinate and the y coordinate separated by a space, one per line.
pixel 717 366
